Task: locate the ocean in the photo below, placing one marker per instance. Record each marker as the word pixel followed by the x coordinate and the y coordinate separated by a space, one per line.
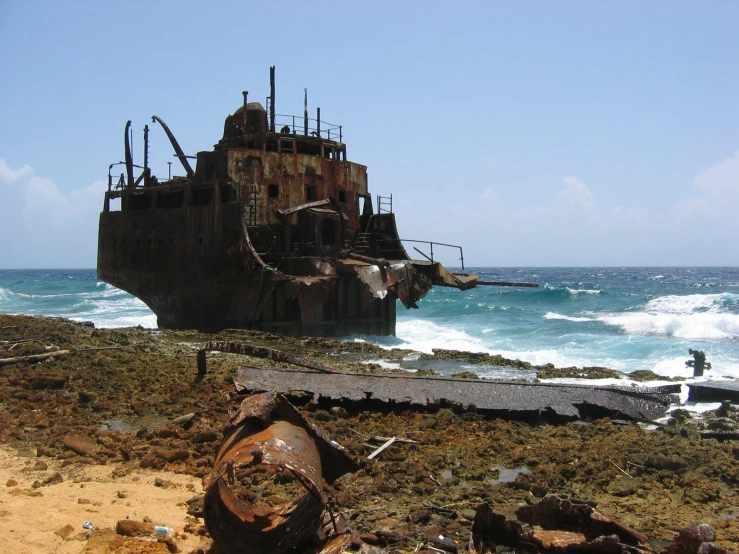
pixel 622 318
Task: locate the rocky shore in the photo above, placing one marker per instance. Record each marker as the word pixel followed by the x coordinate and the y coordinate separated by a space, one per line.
pixel 130 400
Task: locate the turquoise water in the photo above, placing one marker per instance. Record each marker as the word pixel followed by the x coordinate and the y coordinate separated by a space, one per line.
pixel 623 318
pixel 72 293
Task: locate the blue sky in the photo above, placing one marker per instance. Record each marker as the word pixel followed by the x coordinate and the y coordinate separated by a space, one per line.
pixel 532 133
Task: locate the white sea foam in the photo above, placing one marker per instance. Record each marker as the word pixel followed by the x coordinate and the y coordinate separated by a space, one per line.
pixel 423 335
pixel 693 326
pixel 383 363
pixel 146 321
pixel 575 292
pixel 693 317
pixel 674 304
pixel 554 315
pixel 675 367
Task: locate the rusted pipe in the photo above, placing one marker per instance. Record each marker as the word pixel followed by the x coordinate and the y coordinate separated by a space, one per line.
pixel 272 98
pixel 305 113
pixel 268 436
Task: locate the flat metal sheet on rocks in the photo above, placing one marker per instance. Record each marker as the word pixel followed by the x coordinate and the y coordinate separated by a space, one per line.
pixel 516 397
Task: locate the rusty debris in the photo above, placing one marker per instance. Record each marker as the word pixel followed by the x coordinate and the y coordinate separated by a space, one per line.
pixel 522 399
pixel 273 230
pixel 556 513
pixel 556 525
pixel 268 438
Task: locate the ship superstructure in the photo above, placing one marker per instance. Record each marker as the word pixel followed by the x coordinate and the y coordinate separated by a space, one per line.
pixel 274 229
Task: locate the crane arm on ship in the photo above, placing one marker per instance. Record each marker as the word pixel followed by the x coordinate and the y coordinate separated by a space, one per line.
pixel 129 157
pixel 180 154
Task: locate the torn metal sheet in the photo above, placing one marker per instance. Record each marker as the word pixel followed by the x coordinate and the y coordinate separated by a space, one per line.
pixel 372 277
pixel 268 434
pixel 569 401
pixel 409 284
pixel 561 526
pixel 575 515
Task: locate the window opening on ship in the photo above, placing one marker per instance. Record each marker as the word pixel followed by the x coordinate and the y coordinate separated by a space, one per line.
pixel 169 200
pixel 201 197
pixel 273 190
pixel 114 204
pixel 342 196
pixel 312 193
pixel 139 201
pixel 287 145
pixel 328 231
pixel 227 194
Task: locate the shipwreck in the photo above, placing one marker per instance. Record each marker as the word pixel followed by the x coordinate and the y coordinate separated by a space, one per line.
pixel 273 230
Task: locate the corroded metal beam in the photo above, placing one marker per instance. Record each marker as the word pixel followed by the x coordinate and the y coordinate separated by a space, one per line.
pixel 257 352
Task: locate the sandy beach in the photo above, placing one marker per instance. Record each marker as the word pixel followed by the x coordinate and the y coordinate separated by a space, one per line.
pixel 87 436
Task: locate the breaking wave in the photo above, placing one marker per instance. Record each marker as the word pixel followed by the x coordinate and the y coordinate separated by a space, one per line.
pixel 554 315
pixel 695 316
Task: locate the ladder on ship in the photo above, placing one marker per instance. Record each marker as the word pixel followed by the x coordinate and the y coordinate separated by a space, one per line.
pixel 250 208
pixel 363 245
pixel 385 203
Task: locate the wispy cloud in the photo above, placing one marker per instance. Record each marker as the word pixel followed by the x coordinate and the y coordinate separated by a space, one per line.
pixel 571 226
pixel 51 228
pixel 721 179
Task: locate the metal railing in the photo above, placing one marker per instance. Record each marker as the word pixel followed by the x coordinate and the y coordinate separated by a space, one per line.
pixel 386 203
pixel 122 182
pixel 308 126
pixel 431 244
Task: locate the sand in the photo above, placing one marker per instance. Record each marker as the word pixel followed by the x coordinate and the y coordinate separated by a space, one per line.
pixel 33 520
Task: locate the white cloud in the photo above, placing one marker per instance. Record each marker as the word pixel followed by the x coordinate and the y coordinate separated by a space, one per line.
pixel 576 194
pixel 572 227
pixel 51 228
pixel 7 175
pixel 721 179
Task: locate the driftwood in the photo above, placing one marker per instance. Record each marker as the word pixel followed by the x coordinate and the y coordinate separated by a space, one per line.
pixel 20 341
pixel 32 358
pixel 383 447
pixel 258 352
pixel 382 439
pixel 100 348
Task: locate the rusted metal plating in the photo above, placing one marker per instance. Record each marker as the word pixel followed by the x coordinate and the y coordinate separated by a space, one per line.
pixel 268 431
pixel 566 526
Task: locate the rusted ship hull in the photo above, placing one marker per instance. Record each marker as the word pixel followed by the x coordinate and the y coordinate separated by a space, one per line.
pixel 272 230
